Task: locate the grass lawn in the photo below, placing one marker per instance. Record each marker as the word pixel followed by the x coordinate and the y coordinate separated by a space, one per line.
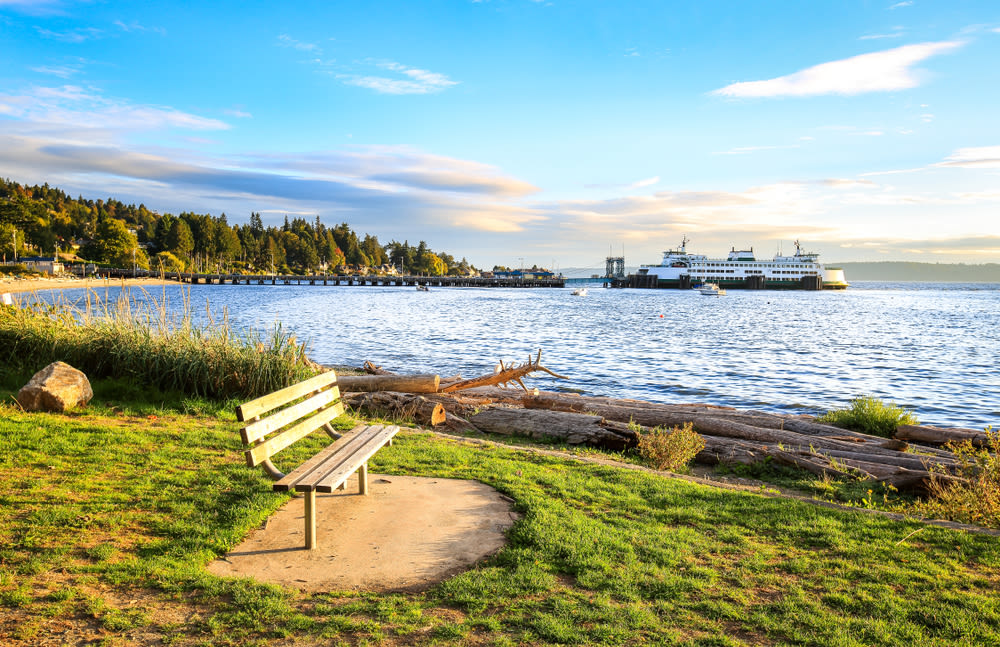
pixel 109 515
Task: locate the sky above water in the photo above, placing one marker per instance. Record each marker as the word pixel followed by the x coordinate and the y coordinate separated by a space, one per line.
pixel 516 131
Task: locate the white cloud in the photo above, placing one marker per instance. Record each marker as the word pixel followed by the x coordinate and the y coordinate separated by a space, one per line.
pixel 239 114
pixel 876 72
pixel 73 36
pixel 900 5
pixel 975 157
pixel 409 80
pixel 644 183
pixel 743 150
pixel 287 41
pixel 62 71
pixel 895 34
pixel 136 27
pixel 74 107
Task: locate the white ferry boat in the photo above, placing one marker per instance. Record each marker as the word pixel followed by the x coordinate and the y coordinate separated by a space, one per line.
pixel 802 271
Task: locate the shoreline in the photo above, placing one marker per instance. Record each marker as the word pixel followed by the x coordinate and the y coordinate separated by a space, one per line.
pixel 20 286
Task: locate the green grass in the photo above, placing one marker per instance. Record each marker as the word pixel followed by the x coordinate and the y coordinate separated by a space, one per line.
pixel 145 345
pixel 130 499
pixel 870 415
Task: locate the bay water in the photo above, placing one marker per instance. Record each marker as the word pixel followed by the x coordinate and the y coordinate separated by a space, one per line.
pixel 931 347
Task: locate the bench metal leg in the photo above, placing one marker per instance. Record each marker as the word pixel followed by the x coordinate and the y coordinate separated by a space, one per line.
pixel 363 478
pixel 310 501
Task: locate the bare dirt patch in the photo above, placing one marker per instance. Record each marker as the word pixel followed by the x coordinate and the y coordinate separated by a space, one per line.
pixel 407 534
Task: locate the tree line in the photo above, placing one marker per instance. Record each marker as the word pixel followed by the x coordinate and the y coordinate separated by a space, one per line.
pixel 43 220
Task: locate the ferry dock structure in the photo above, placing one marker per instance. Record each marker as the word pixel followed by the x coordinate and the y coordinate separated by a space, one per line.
pixel 339 279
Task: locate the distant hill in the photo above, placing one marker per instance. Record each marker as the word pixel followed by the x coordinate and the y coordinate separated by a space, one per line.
pixel 906 271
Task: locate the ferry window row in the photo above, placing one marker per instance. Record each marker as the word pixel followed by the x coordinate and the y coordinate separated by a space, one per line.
pixel 772 265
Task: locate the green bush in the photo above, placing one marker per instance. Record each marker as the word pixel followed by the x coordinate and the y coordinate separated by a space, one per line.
pixel 870 415
pixel 670 449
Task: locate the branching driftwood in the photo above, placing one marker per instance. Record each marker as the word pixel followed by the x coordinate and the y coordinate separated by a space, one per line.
pixel 505 375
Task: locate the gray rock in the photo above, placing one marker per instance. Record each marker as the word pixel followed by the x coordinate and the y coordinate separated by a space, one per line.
pixel 57 387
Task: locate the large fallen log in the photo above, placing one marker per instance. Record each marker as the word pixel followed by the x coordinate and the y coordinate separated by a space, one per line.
pixel 572 428
pixel 399 405
pixel 668 416
pixel 400 383
pixel 940 436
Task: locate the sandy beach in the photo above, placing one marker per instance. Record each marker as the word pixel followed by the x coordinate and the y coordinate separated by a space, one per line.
pixel 60 283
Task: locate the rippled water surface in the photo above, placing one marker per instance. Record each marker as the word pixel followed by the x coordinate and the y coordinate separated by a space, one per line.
pixel 934 348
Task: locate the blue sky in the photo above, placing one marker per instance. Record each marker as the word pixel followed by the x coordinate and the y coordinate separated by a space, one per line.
pixel 508 129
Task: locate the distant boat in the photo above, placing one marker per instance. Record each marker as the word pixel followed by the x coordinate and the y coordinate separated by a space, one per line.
pixel 580 292
pixel 712 289
pixel 423 288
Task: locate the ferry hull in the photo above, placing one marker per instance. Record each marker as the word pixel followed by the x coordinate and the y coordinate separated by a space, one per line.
pixel 743 284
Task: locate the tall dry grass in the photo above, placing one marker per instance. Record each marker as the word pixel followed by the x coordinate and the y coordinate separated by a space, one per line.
pixel 144 340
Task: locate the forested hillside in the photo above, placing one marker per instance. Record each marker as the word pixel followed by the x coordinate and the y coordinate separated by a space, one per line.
pixel 41 220
pixel 931 272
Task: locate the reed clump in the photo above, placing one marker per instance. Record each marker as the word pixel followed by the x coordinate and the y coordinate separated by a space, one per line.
pixel 870 415
pixel 141 339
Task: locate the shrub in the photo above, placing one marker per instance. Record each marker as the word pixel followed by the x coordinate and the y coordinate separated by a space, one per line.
pixel 976 498
pixel 870 415
pixel 670 449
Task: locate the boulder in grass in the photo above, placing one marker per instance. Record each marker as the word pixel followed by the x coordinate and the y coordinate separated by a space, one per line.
pixel 57 387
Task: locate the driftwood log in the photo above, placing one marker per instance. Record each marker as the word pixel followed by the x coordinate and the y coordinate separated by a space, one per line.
pixel 401 383
pixel 572 428
pixel 504 375
pixel 939 436
pixel 399 405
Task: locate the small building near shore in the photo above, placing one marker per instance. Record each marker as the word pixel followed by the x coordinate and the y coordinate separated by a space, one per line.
pixel 45 264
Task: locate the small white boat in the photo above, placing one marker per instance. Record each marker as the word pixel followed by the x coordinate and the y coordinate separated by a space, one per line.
pixel 580 292
pixel 712 290
pixel 423 288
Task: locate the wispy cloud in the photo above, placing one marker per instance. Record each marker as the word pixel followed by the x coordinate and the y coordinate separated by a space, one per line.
pixel 746 150
pixel 78 35
pixel 136 27
pixel 976 157
pixel 876 72
pixel 239 114
pixel 900 5
pixel 893 34
pixel 84 108
pixel 62 71
pixel 408 80
pixel 34 7
pixel 287 41
pixel 644 183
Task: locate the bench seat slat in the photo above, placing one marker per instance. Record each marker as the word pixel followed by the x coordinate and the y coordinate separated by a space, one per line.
pixel 257 430
pixel 340 473
pixel 263 404
pixel 316 462
pixel 262 451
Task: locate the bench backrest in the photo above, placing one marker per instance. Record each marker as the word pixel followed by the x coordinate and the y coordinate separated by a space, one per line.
pixel 278 419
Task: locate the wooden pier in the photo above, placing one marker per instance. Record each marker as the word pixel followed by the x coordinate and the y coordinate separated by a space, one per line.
pixel 336 279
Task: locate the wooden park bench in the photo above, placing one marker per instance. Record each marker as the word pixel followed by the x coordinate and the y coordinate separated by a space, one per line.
pixel 277 420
